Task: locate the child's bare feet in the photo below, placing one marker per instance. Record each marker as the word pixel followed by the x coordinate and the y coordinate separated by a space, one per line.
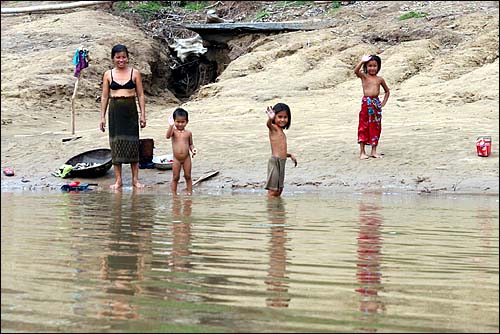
pixel 363 156
pixel 378 156
pixel 138 185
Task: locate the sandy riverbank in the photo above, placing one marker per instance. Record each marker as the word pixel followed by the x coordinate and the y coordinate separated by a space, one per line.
pixel 443 75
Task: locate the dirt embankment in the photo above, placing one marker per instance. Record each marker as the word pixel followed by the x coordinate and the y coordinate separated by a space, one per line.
pixel 442 71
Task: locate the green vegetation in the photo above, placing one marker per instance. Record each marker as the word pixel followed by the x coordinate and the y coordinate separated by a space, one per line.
pixel 122 5
pixel 334 7
pixel 195 5
pixel 335 4
pixel 292 3
pixel 146 9
pixel 262 14
pixel 150 6
pixel 412 15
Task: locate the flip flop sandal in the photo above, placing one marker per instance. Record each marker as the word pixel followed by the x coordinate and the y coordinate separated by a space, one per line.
pixel 8 172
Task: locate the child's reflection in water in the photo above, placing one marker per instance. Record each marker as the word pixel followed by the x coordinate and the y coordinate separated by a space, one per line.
pixel 277 279
pixel 369 257
pixel 181 234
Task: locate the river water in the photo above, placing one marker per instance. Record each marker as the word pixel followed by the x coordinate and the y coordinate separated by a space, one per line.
pixel 149 262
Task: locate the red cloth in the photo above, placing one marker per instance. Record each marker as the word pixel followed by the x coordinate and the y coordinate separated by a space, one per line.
pixel 370 120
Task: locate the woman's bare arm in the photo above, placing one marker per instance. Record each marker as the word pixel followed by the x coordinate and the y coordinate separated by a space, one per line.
pixel 104 100
pixel 139 90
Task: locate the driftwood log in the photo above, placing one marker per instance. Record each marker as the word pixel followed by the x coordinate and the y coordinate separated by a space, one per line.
pixel 222 32
pixel 45 8
pixel 206 176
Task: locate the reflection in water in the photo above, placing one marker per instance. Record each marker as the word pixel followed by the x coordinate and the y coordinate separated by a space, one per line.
pixel 369 258
pixel 173 265
pixel 77 262
pixel 277 279
pixel 181 234
pixel 486 224
pixel 124 265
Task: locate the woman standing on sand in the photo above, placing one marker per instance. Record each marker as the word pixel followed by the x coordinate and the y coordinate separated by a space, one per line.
pixel 120 86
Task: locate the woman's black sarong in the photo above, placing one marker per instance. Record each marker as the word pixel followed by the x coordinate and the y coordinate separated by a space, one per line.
pixel 123 130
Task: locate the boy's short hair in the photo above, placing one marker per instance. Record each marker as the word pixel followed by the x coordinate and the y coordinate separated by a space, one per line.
pixel 377 59
pixel 179 112
pixel 283 107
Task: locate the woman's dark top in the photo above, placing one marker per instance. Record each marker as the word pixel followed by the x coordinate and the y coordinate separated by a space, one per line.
pixel 128 85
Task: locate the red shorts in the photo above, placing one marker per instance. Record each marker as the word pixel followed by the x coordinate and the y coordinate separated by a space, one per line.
pixel 370 121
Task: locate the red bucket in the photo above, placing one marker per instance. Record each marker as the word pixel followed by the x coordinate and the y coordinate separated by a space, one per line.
pixel 483 146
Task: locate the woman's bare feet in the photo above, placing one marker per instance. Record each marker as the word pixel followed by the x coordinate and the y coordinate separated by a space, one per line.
pixel 116 186
pixel 138 185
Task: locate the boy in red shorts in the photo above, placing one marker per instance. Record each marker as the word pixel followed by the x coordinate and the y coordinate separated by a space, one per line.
pixel 370 116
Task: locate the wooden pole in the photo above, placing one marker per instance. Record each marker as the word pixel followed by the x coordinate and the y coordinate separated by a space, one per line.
pixel 73 106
